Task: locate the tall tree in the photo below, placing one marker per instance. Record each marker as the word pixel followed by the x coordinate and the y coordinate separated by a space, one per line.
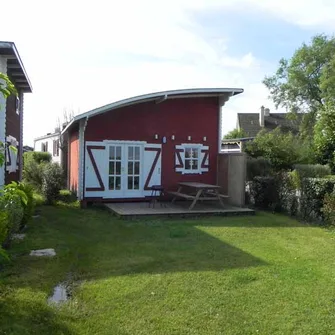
pixel 324 133
pixel 297 84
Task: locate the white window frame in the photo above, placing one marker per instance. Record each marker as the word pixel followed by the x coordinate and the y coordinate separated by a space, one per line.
pixel 185 146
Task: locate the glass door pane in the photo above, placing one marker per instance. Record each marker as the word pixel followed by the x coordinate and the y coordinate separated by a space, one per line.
pixel 114 171
pixel 133 170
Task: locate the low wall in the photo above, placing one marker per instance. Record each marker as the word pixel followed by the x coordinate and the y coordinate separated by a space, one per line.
pixel 231 177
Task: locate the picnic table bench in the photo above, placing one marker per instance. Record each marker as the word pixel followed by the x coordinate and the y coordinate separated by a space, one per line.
pixel 204 192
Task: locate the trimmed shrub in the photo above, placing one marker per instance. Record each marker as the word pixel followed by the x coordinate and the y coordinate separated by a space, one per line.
pixel 259 167
pixel 302 171
pixel 53 181
pixel 328 208
pixel 288 195
pixel 313 192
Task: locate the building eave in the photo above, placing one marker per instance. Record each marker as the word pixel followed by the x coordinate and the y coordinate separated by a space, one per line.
pixel 15 67
pixel 158 97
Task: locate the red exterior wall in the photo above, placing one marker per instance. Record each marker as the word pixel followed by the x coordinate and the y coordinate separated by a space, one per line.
pixel 13 128
pixel 73 160
pixel 196 117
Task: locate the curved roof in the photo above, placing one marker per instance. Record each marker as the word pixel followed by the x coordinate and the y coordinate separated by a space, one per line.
pixel 159 97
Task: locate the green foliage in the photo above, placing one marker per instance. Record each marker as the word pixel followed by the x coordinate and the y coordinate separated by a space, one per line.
pixel 38 156
pixel 39 199
pixel 324 136
pixel 66 196
pixel 3 226
pixel 259 166
pixel 235 133
pixel 6 86
pixel 53 181
pixel 33 173
pixel 13 189
pixel 313 192
pixel 299 83
pixel 11 203
pixel 302 171
pixel 6 89
pixel 29 206
pixel 328 208
pixel 282 150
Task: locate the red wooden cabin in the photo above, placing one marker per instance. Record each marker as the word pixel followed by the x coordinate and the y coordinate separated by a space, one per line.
pixel 118 151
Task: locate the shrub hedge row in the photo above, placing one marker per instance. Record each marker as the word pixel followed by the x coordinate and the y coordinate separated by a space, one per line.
pixel 314 201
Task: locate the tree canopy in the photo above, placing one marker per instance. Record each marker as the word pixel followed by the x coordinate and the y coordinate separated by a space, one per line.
pixel 235 133
pixel 302 83
pixel 283 150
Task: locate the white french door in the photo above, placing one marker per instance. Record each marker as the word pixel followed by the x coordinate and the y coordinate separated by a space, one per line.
pixel 125 170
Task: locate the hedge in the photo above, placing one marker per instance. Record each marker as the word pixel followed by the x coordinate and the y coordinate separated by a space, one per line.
pixel 278 193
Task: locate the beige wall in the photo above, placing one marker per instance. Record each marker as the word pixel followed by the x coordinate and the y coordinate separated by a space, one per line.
pixel 232 177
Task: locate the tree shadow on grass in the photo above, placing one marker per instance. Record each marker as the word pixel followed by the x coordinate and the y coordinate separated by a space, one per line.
pixel 92 244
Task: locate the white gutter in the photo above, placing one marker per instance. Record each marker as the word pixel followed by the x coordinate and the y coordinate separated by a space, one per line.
pixel 153 96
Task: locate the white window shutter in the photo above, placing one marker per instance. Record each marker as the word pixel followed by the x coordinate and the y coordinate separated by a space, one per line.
pixel 204 158
pixel 180 158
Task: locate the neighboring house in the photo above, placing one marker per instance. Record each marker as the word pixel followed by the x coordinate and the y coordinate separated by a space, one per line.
pixel 120 150
pixel 27 148
pixel 253 123
pixel 50 143
pixel 11 112
pixel 234 144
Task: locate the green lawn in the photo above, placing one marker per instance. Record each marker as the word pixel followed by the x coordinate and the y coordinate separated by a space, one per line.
pixel 266 274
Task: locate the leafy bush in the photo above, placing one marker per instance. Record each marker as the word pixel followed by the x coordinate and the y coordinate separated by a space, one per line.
pixel 37 156
pixel 33 173
pixel 328 208
pixel 313 192
pixel 11 204
pixel 66 196
pixel 28 206
pixel 282 149
pixel 53 181
pixel 3 235
pixel 259 166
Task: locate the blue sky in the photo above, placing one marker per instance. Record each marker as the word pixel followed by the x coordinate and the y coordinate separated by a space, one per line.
pixel 82 54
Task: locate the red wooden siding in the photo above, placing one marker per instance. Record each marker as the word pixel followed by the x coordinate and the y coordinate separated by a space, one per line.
pixel 73 160
pixel 195 117
pixel 13 128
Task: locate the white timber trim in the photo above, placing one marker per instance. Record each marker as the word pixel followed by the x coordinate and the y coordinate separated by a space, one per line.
pixel 81 163
pixel 3 69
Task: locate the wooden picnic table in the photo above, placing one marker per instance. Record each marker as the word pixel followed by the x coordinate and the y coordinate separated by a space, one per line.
pixel 204 192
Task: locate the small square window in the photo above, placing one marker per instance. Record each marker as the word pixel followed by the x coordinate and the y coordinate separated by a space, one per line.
pixel 191 162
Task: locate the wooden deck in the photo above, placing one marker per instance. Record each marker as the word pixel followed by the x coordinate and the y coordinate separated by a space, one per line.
pixel 179 208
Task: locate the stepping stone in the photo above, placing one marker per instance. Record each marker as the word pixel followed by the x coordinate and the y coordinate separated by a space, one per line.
pixel 18 236
pixel 43 252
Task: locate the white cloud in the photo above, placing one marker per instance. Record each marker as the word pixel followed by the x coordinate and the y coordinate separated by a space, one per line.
pixel 83 54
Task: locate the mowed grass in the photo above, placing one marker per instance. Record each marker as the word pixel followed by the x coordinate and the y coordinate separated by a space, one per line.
pixel 265 274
